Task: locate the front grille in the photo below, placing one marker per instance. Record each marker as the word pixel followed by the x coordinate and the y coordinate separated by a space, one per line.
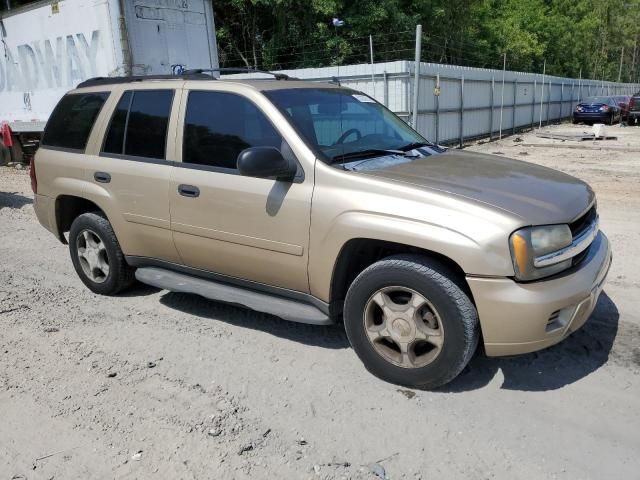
pixel 577 227
pixel 581 224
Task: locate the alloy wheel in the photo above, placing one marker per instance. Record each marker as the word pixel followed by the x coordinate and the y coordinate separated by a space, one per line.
pixel 403 327
pixel 92 254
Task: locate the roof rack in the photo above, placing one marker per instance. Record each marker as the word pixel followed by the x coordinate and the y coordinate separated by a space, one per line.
pixel 193 74
pixel 97 81
pixel 277 76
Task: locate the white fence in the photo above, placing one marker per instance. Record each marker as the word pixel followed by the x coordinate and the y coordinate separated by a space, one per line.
pixel 456 104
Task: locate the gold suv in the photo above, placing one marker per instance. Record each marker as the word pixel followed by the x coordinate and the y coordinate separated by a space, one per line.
pixel 315 203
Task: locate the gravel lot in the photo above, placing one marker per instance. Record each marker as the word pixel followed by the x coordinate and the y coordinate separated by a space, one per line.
pixel 161 385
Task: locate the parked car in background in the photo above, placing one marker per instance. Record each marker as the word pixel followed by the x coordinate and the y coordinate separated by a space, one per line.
pixel 597 110
pixel 634 109
pixel 623 103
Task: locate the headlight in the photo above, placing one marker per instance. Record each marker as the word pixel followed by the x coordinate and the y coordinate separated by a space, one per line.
pixel 531 242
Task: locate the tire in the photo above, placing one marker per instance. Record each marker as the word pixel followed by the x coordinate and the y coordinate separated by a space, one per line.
pixel 456 315
pixel 574 121
pixel 16 151
pixel 119 275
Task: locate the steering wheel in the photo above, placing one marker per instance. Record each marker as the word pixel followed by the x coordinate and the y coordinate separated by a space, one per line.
pixel 346 134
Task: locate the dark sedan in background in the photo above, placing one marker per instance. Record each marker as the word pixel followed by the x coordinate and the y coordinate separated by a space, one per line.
pixel 597 110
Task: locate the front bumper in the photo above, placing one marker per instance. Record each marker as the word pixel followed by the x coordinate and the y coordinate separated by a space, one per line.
pixel 601 117
pixel 524 317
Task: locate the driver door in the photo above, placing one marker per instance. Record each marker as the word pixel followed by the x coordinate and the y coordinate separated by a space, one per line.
pixel 254 229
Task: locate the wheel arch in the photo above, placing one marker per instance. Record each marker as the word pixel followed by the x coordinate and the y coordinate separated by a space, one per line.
pixel 359 253
pixel 68 208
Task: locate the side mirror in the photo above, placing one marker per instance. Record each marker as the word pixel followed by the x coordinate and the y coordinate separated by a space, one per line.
pixel 265 162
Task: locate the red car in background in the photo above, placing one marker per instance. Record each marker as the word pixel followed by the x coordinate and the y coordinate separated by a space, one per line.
pixel 623 103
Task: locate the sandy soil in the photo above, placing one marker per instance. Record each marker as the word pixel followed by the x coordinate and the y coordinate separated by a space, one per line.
pixel 161 385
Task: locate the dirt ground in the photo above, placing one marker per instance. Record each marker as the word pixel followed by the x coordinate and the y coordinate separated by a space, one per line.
pixel 161 385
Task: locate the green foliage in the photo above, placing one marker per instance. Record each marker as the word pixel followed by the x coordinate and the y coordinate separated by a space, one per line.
pixel 572 36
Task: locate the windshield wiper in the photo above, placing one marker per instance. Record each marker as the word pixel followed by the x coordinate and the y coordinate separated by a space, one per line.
pixel 411 146
pixel 371 152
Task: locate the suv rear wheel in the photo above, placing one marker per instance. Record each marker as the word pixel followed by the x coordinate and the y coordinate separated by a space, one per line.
pixel 96 255
pixel 410 323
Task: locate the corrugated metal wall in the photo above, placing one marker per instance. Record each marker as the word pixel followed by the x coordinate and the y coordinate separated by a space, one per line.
pixel 472 102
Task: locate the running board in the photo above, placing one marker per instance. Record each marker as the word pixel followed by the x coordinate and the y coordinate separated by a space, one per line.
pixel 288 309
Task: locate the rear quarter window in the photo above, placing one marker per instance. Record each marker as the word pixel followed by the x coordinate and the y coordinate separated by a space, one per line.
pixel 71 122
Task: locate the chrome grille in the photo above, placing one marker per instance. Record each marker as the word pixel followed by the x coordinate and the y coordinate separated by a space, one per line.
pixel 579 225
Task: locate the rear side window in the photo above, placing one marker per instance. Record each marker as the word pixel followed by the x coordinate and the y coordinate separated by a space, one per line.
pixel 139 124
pixel 72 120
pixel 219 125
pixel 115 136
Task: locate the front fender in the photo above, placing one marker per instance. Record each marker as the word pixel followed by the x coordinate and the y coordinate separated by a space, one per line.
pixel 471 255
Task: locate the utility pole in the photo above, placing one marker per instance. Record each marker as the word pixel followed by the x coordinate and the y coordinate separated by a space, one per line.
pixel 8 4
pixel 373 78
pixel 620 69
pixel 416 78
pixel 580 87
pixel 633 60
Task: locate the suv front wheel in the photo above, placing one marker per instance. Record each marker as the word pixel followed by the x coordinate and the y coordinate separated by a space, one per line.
pixel 96 255
pixel 410 323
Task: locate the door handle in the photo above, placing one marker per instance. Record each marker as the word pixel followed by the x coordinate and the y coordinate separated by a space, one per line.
pixel 102 177
pixel 188 190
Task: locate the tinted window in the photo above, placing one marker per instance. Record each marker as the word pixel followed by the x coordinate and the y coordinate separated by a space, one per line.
pixel 114 142
pixel 218 126
pixel 147 125
pixel 71 121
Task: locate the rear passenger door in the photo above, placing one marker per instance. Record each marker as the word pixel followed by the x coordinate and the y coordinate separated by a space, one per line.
pixel 243 227
pixel 131 172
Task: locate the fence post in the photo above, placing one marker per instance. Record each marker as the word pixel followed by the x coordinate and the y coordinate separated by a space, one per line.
pixel 416 80
pixel 504 68
pixel 544 71
pixel 549 88
pixel 461 111
pixel 573 96
pixel 386 89
pixel 513 112
pixel 533 102
pixel 493 86
pixel 438 108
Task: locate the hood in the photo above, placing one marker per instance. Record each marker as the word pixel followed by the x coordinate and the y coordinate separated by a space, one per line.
pixel 538 195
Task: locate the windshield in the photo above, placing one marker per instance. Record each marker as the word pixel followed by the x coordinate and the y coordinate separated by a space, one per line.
pixel 604 100
pixel 339 122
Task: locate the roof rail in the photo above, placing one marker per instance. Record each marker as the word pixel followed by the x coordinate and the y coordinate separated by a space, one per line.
pixel 98 81
pixel 277 76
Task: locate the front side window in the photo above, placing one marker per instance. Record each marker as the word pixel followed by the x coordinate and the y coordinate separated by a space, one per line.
pixel 219 125
pixel 71 122
pixel 139 124
pixel 338 121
